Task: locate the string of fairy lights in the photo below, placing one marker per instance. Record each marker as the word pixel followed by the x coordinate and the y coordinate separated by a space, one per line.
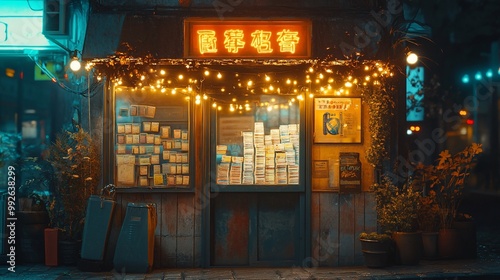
pixel 237 85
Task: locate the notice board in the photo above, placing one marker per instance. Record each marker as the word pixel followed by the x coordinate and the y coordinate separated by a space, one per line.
pixel 350 173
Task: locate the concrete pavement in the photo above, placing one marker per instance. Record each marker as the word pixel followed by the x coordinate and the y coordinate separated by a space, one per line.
pixel 440 269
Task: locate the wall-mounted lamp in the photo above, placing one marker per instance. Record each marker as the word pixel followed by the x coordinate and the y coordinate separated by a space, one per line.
pixel 411 58
pixel 75 63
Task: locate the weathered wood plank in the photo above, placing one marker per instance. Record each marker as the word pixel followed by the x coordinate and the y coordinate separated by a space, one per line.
pixel 329 229
pixel 347 230
pixel 359 226
pixel 370 212
pixel 198 207
pixel 156 199
pixel 315 227
pixel 185 251
pixel 169 230
pixel 185 230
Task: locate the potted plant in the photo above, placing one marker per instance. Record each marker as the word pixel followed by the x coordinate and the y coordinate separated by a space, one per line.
pixel 37 181
pixel 398 215
pixel 446 179
pixel 75 158
pixel 428 223
pixel 376 248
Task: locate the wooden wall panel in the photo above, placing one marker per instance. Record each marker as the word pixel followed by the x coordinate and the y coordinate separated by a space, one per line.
pixel 337 220
pixel 156 199
pixel 315 228
pixel 370 212
pixel 169 231
pixel 359 226
pixel 185 230
pixel 174 232
pixel 346 230
pixel 329 229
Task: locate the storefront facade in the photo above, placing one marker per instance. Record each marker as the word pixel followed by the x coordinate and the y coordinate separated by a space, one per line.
pixel 248 134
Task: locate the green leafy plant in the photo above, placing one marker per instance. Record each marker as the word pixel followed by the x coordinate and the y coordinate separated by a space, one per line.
pixel 381 110
pixel 383 237
pixel 428 213
pixel 8 147
pixel 446 179
pixel 396 207
pixel 38 181
pixel 75 158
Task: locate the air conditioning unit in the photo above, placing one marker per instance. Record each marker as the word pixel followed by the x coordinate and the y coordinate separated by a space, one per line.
pixel 55 20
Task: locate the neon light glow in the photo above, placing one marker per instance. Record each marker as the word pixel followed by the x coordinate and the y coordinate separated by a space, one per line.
pixel 21 26
pixel 247 38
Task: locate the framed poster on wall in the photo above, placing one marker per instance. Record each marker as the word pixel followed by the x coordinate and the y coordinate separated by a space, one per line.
pixel 337 120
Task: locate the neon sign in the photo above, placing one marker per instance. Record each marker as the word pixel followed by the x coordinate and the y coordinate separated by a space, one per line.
pixel 247 38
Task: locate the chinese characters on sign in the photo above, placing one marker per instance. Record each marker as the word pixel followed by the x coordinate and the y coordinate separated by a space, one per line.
pixel 337 120
pixel 250 38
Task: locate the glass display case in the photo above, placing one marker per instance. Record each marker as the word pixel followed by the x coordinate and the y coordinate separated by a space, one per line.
pixel 259 143
pixel 152 140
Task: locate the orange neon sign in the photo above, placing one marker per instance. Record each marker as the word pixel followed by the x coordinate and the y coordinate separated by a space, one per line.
pixel 247 38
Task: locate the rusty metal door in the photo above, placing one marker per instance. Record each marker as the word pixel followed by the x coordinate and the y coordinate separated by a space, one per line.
pixel 253 229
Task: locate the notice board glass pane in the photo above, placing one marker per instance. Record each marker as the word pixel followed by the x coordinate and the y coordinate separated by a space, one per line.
pixel 152 140
pixel 258 143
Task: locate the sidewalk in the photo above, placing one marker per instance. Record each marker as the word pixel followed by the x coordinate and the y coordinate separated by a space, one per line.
pixel 457 269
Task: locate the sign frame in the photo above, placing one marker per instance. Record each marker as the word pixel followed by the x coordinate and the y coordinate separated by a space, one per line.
pixel 346 112
pixel 191 39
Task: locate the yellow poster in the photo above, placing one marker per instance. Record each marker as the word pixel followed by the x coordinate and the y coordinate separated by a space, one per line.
pixel 337 120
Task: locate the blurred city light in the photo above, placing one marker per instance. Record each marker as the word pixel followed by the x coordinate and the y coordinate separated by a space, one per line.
pixel 478 76
pixel 489 73
pixel 465 79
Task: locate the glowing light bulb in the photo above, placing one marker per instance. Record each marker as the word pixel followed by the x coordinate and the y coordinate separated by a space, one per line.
pixel 207 73
pixel 219 75
pixel 268 78
pixel 163 72
pixel 411 58
pixel 75 65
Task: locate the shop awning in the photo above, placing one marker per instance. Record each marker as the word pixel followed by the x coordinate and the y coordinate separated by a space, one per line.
pixel 135 35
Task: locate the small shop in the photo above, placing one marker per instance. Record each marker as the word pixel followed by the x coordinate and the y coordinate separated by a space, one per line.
pixel 254 151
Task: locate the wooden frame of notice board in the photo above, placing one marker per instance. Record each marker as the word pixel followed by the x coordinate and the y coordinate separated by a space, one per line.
pixel 337 120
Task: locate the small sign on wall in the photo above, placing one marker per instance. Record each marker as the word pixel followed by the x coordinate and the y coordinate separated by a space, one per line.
pixel 350 173
pixel 320 169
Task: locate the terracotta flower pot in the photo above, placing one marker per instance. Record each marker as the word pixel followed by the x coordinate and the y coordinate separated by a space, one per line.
pixel 409 247
pixel 449 243
pixel 51 236
pixel 430 245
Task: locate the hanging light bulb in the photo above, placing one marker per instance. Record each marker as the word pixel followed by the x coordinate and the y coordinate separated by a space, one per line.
pixel 75 64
